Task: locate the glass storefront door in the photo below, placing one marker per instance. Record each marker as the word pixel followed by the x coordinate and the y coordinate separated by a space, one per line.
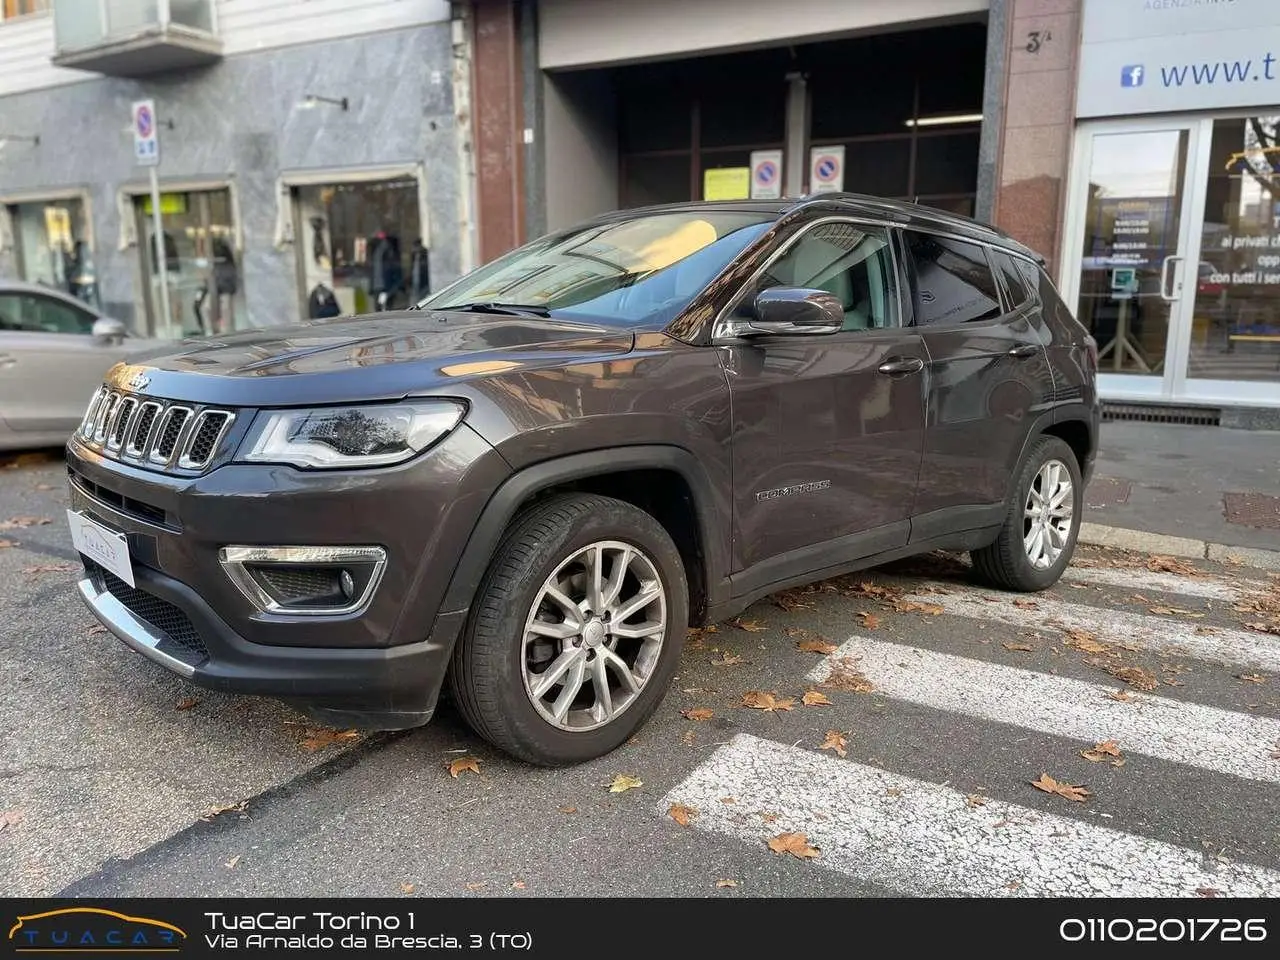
pixel 1173 240
pixel 53 247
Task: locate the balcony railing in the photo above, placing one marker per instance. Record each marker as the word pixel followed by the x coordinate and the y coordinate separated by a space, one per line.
pixel 130 38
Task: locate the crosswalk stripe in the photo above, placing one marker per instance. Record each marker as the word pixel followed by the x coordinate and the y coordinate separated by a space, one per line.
pixel 1147 581
pixel 923 839
pixel 1219 740
pixel 1168 634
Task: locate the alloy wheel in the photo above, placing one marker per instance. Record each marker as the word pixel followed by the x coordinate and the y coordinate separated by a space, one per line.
pixel 1047 515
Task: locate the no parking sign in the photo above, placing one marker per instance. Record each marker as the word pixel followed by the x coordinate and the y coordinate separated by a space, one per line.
pixel 826 169
pixel 766 174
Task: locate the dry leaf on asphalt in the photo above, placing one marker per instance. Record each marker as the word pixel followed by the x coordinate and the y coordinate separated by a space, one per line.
pixel 1085 641
pixel 406 888
pixel 317 737
pixel 835 741
pixel 869 620
pixel 681 814
pixel 1251 677
pixel 1024 647
pixel 1172 565
pixel 975 800
pixel 807 642
pixel 1208 892
pixel 845 675
pixel 50 568
pixel 1075 792
pixel 812 698
pixel 796 844
pixel 7 543
pixel 186 703
pixel 1026 604
pixel 217 811
pixel 1174 612
pixel 909 606
pixel 767 701
pixel 95 629
pixel 789 600
pixel 14 523
pixel 727 660
pixel 1124 696
pixel 463 763
pixel 622 783
pixel 231 864
pixel 568 809
pixel 728 800
pixel 1105 751
pixel 726 883
pixel 689 736
pixel 478 885
pixel 698 713
pixel 10 818
pixel 751 626
pixel 518 885
pixel 1139 678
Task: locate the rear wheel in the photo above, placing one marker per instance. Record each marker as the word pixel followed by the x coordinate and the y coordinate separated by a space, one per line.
pixel 1039 533
pixel 576 632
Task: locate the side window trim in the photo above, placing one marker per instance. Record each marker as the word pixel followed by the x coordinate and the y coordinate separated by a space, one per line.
pixel 722 329
pixel 1007 306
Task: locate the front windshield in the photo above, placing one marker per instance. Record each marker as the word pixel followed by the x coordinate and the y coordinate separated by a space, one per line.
pixel 642 270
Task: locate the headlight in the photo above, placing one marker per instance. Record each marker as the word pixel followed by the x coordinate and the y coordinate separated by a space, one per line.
pixel 365 436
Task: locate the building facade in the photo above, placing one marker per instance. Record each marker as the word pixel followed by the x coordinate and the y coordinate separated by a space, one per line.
pixel 309 156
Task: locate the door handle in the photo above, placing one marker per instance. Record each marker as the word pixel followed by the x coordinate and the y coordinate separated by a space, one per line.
pixel 900 366
pixel 1166 290
pixel 1024 351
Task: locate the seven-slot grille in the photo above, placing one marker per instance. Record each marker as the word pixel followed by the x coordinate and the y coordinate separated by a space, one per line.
pixel 156 433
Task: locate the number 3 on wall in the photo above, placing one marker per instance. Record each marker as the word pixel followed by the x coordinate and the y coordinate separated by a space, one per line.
pixel 1036 39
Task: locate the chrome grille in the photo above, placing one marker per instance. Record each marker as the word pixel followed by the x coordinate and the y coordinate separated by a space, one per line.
pixel 155 433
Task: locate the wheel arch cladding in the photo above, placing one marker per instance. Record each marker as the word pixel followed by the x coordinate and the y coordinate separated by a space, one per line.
pixel 1076 435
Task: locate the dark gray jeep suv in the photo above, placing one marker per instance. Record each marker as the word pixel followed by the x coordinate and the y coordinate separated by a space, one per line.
pixel 533 483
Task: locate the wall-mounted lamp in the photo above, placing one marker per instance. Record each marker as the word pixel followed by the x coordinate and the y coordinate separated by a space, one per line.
pixel 33 140
pixel 311 101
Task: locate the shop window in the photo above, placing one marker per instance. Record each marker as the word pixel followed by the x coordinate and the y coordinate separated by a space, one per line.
pixel 878 167
pixel 954 282
pixel 9 9
pixel 657 179
pixel 947 163
pixel 361 248
pixel 53 248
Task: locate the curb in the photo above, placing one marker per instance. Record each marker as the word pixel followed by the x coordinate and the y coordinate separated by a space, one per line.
pixel 1127 539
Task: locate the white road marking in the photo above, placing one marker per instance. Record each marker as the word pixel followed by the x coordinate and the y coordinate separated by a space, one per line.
pixel 1219 740
pixel 922 839
pixel 1176 635
pixel 1147 581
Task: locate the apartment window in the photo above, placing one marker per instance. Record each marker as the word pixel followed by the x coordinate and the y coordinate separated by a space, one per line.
pixel 9 9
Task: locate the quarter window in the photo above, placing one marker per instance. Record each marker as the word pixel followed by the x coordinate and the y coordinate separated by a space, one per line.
pixel 954 282
pixel 850 261
pixel 1014 281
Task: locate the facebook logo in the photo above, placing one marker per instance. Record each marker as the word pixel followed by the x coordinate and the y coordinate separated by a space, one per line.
pixel 1132 76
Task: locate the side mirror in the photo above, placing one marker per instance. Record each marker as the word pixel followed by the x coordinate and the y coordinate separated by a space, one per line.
pixel 795 311
pixel 108 330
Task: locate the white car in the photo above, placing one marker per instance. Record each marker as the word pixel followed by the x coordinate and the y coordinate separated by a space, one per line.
pixel 54 351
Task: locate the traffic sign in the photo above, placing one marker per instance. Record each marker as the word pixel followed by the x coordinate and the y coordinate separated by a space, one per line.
pixel 826 169
pixel 766 174
pixel 146 135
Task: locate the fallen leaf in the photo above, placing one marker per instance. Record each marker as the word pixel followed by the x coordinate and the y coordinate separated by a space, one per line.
pixel 910 606
pixel 568 809
pixel 975 800
pixel 796 844
pixel 186 703
pixel 866 588
pixel 406 888
pixel 812 698
pixel 7 543
pixel 1107 751
pixel 726 883
pixel 622 783
pixel 728 800
pixel 1086 641
pixel 318 737
pixel 769 817
pixel 14 523
pixel 751 626
pixel 681 814
pixel 44 486
pixel 1139 678
pixel 869 620
pixel 698 713
pixel 476 886
pixel 1174 612
pixel 1026 604
pixel 689 736
pixel 518 885
pixel 1049 785
pixel 845 675
pixel 1262 627
pixel 1124 696
pixel 50 568
pixel 217 811
pixel 892 792
pixel 96 628
pixel 789 600
pixel 807 642
pixel 1025 647
pixel 1172 565
pixel 463 763
pixel 231 864
pixel 1251 677
pixel 767 701
pixel 835 741
pixel 1208 892
pixel 10 818
pixel 727 660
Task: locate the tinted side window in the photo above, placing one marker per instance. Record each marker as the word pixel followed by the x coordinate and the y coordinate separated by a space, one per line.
pixel 1014 281
pixel 36 314
pixel 849 260
pixel 954 281
pixel 1031 273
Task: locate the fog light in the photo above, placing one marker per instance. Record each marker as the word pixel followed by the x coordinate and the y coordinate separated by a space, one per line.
pixel 306 581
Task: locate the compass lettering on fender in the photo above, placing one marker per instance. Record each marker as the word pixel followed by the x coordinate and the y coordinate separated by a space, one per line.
pixel 791 491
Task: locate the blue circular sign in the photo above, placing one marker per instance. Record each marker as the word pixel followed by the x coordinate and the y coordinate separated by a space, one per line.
pixel 144 121
pixel 767 172
pixel 826 168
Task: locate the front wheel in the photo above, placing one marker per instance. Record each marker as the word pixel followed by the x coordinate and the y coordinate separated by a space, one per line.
pixel 1039 533
pixel 576 633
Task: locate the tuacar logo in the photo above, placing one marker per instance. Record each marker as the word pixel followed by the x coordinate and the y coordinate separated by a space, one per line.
pixel 1131 76
pixel 93 930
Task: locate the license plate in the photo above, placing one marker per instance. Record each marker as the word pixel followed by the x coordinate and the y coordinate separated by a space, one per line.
pixel 104 546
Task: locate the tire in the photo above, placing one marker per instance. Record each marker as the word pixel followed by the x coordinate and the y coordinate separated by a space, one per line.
pixel 492 676
pixel 1007 563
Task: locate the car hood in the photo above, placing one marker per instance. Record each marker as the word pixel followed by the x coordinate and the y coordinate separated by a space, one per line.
pixel 374 357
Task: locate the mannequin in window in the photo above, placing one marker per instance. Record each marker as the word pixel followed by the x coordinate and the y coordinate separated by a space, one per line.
pixel 419 272
pixel 386 271
pixel 226 283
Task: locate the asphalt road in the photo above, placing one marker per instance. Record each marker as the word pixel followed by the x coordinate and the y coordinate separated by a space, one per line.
pixel 947 700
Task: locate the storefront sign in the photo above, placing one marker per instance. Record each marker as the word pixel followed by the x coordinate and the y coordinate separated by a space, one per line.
pixel 1153 56
pixel 826 169
pixel 171 204
pixel 766 174
pixel 146 136
pixel 726 183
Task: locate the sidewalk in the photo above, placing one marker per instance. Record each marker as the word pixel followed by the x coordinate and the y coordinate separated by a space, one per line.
pixel 1204 492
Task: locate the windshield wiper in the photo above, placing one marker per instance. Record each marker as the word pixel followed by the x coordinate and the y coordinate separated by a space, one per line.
pixel 494 306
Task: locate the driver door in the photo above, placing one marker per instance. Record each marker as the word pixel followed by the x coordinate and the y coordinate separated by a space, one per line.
pixel 828 431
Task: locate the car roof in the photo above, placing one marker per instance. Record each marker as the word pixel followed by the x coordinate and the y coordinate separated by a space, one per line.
pixel 900 211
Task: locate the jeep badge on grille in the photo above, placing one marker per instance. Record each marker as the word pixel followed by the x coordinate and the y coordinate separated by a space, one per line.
pixel 139 381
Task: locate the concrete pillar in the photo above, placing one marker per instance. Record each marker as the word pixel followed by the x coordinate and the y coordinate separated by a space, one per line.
pixel 498 109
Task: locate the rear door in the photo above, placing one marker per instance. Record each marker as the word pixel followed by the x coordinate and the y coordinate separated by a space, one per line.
pixel 989 378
